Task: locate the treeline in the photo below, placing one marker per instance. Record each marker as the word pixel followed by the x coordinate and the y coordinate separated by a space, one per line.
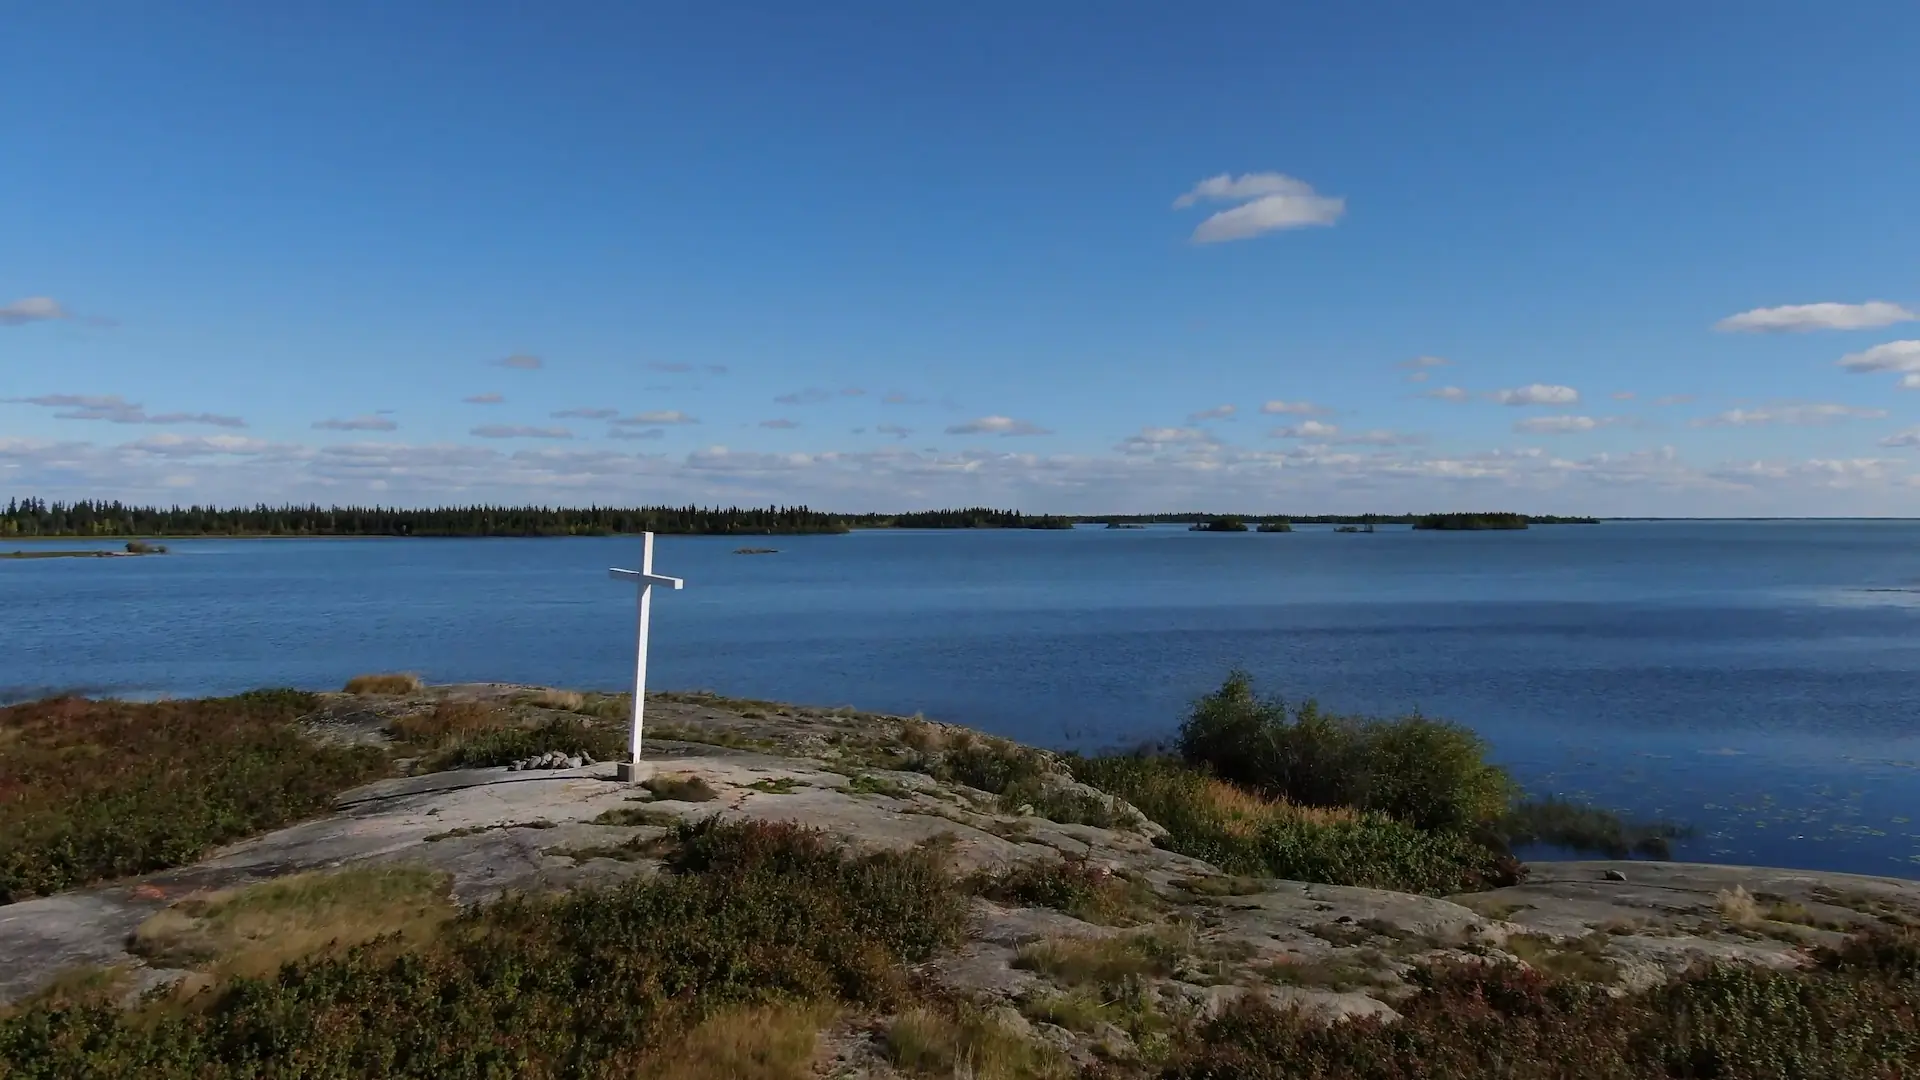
pixel 978 517
pixel 35 517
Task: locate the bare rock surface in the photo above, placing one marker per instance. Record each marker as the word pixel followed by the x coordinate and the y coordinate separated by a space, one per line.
pixel 1336 951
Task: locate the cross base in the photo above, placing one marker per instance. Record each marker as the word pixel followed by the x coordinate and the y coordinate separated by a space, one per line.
pixel 628 772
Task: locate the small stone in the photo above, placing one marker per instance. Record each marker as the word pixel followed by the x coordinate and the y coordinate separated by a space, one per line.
pixel 513 766
pixel 573 762
pixel 1614 875
pixel 587 759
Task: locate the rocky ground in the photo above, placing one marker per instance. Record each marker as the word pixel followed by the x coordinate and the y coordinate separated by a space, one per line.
pixel 1187 940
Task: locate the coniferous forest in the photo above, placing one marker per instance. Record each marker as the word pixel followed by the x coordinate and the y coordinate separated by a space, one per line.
pixel 32 517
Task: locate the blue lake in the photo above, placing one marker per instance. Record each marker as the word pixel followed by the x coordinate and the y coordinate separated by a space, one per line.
pixel 1757 680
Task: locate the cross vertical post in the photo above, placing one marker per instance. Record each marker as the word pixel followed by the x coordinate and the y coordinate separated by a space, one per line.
pixel 646 579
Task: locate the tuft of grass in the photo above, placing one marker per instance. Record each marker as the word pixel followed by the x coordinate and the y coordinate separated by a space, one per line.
pixel 968 1043
pixel 254 930
pixel 1738 906
pixel 1221 885
pixel 476 830
pixel 781 785
pixel 1075 885
pixel 447 723
pixel 1098 961
pixel 869 784
pixel 1583 959
pixel 492 747
pixel 563 700
pixel 756 1042
pixel 680 787
pixel 639 815
pixel 1339 973
pixel 393 684
pixel 93 790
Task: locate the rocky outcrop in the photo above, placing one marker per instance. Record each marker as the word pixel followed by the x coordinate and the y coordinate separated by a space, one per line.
pixel 1195 940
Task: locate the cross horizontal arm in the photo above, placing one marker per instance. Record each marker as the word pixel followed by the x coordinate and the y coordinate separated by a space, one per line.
pixel 650 579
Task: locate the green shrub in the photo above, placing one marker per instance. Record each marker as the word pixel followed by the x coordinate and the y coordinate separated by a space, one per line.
pixel 1074 885
pixel 1428 773
pixel 544 986
pixel 92 790
pixel 1245 834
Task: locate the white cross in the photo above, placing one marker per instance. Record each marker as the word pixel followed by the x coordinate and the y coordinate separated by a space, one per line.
pixel 646 579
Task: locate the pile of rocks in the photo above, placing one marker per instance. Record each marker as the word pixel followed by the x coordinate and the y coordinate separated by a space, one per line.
pixel 552 759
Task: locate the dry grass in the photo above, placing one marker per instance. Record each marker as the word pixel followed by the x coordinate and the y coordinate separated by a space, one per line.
pixel 448 723
pixel 765 1042
pixel 970 1044
pixel 680 787
pixel 1340 973
pixel 1244 814
pixel 1738 907
pixel 564 700
pixel 1583 959
pixel 917 734
pixel 252 931
pixel 393 683
pixel 1093 961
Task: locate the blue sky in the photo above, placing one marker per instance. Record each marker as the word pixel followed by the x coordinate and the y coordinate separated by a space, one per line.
pixel 876 256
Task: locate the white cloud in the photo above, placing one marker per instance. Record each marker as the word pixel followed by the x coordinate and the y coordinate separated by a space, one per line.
pixel 780 424
pixel 899 397
pixel 633 433
pixel 997 425
pixel 1801 317
pixel 1623 395
pixel 520 431
pixel 1218 412
pixel 1901 356
pixel 1674 399
pixel 169 444
pixel 1292 408
pixel 1790 415
pixel 1447 393
pixel 32 309
pixel 894 430
pixel 522 362
pixel 483 399
pixel 1307 429
pixel 584 413
pixel 115 409
pixel 1269 202
pixel 1537 394
pixel 656 418
pixel 1908 437
pixel 1560 425
pixel 1151 439
pixel 357 423
pixel 1422 362
pixel 812 395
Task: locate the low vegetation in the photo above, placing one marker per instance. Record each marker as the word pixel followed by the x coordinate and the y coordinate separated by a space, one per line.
pixel 1081 888
pixel 610 982
pixel 680 787
pixel 91 790
pixel 958 1041
pixel 477 735
pixel 1855 1014
pixel 393 684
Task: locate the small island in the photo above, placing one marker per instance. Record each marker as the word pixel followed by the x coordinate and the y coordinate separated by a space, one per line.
pixel 756 551
pixel 1277 525
pixel 1470 522
pixel 1353 528
pixel 1225 524
pixel 133 547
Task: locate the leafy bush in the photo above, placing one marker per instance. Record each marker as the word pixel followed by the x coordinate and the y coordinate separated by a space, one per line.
pixel 544 986
pixel 1247 834
pixel 91 790
pixel 1428 773
pixel 1074 885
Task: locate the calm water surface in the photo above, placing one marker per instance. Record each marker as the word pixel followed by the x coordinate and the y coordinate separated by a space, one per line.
pixel 1756 680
